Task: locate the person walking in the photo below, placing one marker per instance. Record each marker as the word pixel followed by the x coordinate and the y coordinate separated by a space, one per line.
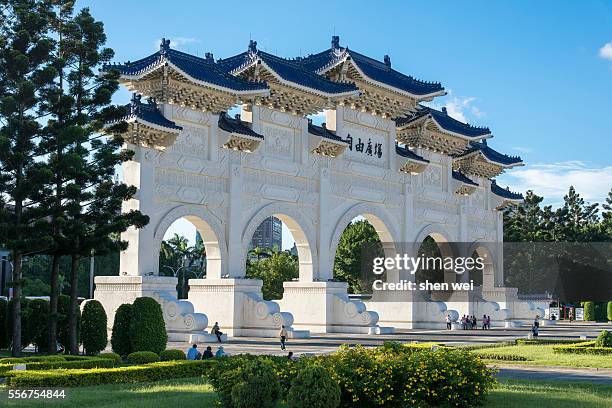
pixel 488 322
pixel 448 322
pixel 474 323
pixel 283 337
pixel 217 332
pixel 484 322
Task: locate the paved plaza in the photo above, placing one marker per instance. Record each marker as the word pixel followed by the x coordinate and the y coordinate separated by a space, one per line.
pixel 326 343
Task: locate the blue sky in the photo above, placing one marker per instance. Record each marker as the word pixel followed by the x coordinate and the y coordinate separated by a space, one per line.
pixel 539 74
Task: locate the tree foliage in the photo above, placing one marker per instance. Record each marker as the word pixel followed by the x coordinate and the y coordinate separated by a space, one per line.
pixel 273 271
pixel 121 341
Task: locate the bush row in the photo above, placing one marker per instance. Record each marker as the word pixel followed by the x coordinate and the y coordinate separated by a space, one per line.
pixel 139 327
pixel 583 350
pixel 393 375
pixel 50 365
pixel 547 341
pixel 471 347
pixel 120 375
pixel 505 357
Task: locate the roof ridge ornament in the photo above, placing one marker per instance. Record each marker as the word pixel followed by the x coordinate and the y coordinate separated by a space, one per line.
pixel 387 60
pixel 164 47
pixel 253 46
pixel 135 103
pixel 444 111
pixel 335 42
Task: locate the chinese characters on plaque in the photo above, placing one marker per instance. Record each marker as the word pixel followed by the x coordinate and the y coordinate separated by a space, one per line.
pixel 367 148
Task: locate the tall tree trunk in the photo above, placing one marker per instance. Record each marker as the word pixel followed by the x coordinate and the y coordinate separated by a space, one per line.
pixel 72 313
pixel 16 340
pixel 53 298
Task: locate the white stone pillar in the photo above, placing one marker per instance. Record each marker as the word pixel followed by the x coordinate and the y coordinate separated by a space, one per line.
pixel 137 259
pixel 234 221
pixel 326 229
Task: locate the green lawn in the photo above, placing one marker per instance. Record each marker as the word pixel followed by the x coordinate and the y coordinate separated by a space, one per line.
pixel 544 394
pixel 194 392
pixel 542 355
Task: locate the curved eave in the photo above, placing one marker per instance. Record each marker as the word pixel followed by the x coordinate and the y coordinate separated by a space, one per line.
pixel 488 160
pixel 165 61
pixel 366 78
pixel 327 95
pixel 152 125
pixel 460 135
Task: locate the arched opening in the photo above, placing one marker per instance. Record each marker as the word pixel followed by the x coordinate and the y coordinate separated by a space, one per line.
pixel 432 268
pixel 483 276
pixel 365 237
pixel 188 249
pixel 278 250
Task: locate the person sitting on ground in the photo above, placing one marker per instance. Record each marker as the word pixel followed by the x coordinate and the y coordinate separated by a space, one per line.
pixel 217 332
pixel 220 352
pixel 290 355
pixel 193 353
pixel 207 353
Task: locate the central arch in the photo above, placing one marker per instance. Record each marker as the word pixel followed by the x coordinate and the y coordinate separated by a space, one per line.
pixel 299 226
pixel 379 219
pixel 210 229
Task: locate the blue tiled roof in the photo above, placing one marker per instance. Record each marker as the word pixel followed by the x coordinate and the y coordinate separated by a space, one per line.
pixel 409 154
pixel 504 192
pixel 201 69
pixel 462 178
pixel 235 125
pixel 322 131
pixel 492 155
pixel 371 68
pixel 289 70
pixel 147 112
pixel 446 122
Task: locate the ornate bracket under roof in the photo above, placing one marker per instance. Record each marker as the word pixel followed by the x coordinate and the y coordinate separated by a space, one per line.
pixel 175 77
pixel 385 91
pixel 147 126
pixel 437 131
pixel 293 88
pixel 507 197
pixel 237 135
pixel 482 161
pixel 324 142
pixel 463 185
pixel 411 163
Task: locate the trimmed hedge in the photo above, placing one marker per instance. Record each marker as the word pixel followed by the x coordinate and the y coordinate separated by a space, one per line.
pixel 471 347
pixel 121 375
pixel 147 327
pixel 583 350
pixel 94 362
pixel 314 388
pixel 94 323
pixel 589 311
pixel 548 341
pixel 120 338
pixel 142 357
pixel 604 339
pixel 170 355
pixel 112 356
pixel 505 357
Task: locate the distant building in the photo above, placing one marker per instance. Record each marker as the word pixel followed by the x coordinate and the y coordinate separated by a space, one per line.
pixel 269 234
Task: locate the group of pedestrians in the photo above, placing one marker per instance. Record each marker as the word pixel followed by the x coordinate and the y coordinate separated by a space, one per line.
pixel 194 354
pixel 469 322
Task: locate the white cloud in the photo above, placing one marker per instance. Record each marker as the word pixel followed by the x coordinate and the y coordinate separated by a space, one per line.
pixel 605 52
pixel 522 149
pixel 553 180
pixel 460 107
pixel 178 42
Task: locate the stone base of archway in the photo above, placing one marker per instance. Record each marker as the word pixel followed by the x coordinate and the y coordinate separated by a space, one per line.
pixel 324 307
pixel 238 307
pixel 182 322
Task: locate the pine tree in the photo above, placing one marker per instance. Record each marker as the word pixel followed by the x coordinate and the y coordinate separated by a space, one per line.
pixel 92 201
pixel 26 73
